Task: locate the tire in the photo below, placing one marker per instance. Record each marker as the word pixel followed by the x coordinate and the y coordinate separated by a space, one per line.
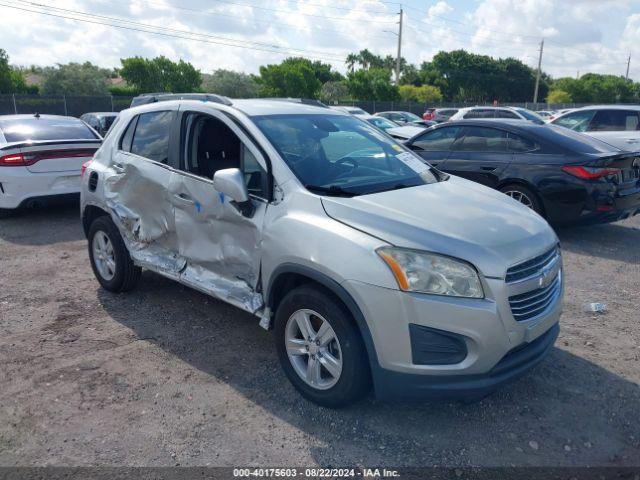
pixel 524 195
pixel 329 390
pixel 121 274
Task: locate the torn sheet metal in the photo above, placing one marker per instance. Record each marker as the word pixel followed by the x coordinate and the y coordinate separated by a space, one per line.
pixel 148 231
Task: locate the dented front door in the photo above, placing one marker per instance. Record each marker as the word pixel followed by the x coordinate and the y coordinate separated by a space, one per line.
pixel 220 245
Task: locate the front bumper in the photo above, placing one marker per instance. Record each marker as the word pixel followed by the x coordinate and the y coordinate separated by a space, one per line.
pixel 496 348
pixel 392 385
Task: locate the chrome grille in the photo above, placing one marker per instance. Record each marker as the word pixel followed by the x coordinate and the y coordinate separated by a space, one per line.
pixel 531 267
pixel 534 302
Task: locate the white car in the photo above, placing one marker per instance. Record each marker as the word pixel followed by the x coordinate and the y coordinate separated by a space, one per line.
pixel 618 125
pixel 513 113
pixel 41 156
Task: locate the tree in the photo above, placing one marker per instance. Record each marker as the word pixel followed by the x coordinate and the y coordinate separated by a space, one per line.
pixel 75 79
pixel 334 91
pixel 372 84
pixel 11 79
pixel 422 94
pixel 231 84
pixel 596 88
pixel 160 75
pixel 295 77
pixel 558 96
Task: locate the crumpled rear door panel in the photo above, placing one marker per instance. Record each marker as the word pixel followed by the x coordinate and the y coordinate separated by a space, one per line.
pixel 137 194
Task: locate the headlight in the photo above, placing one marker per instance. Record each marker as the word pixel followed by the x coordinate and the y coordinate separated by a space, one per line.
pixel 425 272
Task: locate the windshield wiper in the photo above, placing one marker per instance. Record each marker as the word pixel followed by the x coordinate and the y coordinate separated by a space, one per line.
pixel 331 190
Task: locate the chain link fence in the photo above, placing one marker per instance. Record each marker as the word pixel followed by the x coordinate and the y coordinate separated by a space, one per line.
pixel 76 105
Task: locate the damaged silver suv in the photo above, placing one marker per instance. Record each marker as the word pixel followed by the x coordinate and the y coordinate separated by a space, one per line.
pixel 371 267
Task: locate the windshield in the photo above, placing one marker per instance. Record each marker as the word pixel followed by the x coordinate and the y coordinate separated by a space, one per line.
pixel 381 123
pixel 341 155
pixel 32 128
pixel 529 115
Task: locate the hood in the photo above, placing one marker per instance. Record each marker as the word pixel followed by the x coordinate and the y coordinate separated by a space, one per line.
pixel 455 217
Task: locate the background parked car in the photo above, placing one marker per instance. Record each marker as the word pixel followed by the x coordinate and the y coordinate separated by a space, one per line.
pixel 380 122
pixel 405 118
pixel 443 114
pixel 99 121
pixel 565 176
pixel 545 114
pixel 357 111
pixel 514 113
pixel 557 113
pixel 41 156
pixel 428 114
pixel 618 125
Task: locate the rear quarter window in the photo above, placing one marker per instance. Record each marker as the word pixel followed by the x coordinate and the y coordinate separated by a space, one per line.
pixel 26 129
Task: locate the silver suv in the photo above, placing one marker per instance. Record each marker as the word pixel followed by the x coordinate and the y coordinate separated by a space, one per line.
pixel 370 266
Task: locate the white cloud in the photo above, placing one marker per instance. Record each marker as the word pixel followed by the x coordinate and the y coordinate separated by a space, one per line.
pixel 585 35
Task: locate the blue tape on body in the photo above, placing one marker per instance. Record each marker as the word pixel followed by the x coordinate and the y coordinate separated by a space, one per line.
pixel 198 206
pixel 221 197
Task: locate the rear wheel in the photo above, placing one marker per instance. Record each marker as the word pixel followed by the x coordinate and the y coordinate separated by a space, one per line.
pixel 320 348
pixel 525 196
pixel 109 257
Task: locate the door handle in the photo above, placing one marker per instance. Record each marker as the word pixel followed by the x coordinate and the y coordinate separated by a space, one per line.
pixel 118 167
pixel 488 169
pixel 183 197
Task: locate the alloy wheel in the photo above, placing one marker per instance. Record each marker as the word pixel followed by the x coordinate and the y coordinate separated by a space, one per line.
pixel 103 255
pixel 313 349
pixel 520 197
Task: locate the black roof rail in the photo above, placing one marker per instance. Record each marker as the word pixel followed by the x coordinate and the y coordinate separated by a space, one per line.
pixel 147 98
pixel 304 101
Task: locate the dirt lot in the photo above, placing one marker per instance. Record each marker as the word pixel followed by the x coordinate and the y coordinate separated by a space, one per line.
pixel 167 376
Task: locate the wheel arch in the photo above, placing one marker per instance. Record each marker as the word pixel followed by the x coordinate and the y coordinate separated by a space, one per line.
pixel 291 275
pixel 89 214
pixel 520 181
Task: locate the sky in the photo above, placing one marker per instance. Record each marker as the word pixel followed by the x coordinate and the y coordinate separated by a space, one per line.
pixel 579 35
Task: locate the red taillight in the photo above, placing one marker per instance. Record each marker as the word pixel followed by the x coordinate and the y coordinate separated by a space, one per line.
pixel 590 173
pixel 27 159
pixel 13 160
pixel 84 168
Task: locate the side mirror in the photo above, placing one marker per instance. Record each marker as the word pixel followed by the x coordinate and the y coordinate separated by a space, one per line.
pixel 230 182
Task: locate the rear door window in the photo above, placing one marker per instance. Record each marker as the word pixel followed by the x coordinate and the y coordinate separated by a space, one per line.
pixel 480 139
pixel 32 128
pixel 614 121
pixel 439 140
pixel 518 144
pixel 151 136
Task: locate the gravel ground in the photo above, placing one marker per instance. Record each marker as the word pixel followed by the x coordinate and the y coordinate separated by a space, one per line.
pixel 167 376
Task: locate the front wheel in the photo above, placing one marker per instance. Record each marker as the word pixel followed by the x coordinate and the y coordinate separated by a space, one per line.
pixel 109 257
pixel 320 348
pixel 525 196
